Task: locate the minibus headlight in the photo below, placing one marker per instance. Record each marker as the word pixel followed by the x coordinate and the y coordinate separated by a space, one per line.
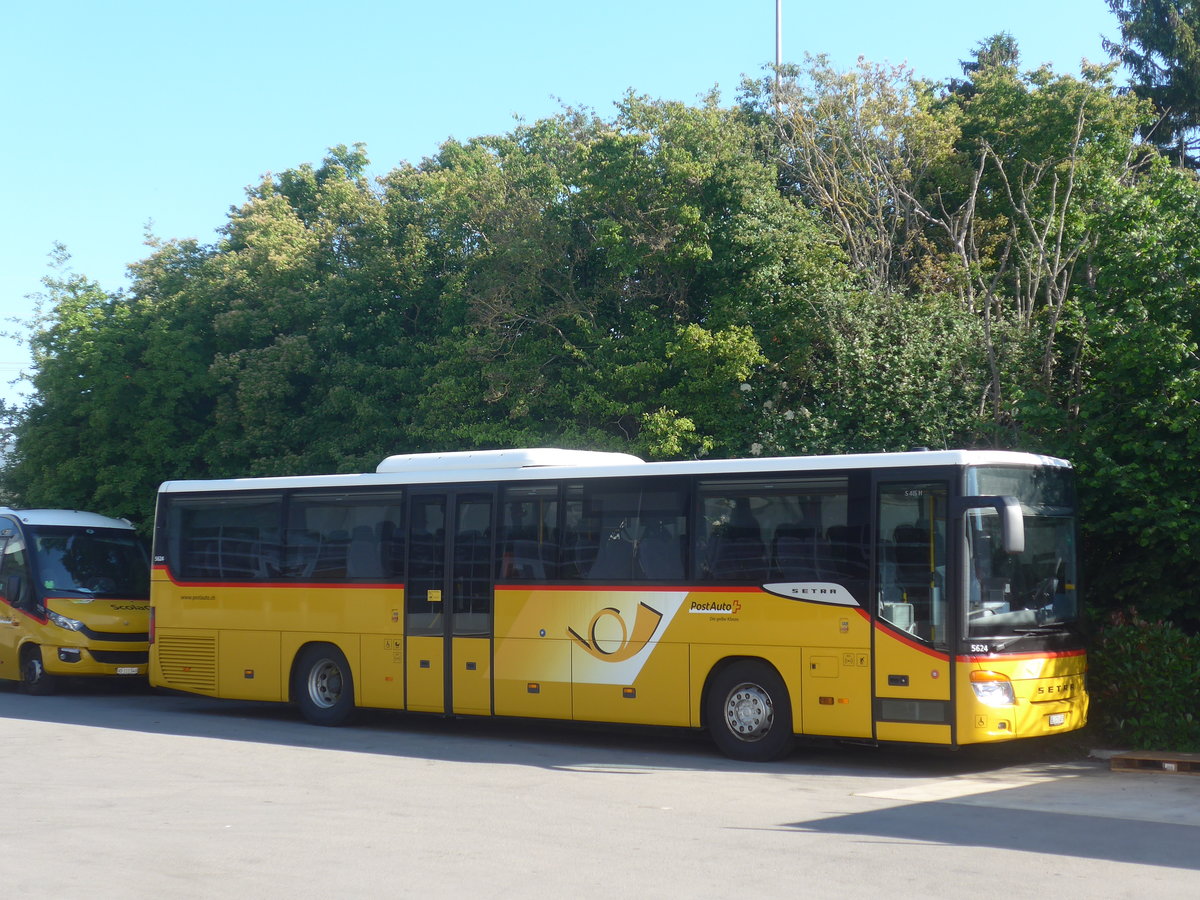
pixel 63 622
pixel 993 688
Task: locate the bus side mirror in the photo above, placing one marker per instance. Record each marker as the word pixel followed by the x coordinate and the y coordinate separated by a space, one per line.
pixel 1013 525
pixel 12 591
pixel 1012 522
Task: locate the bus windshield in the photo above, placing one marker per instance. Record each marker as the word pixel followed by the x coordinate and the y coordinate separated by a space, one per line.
pixel 99 562
pixel 1033 592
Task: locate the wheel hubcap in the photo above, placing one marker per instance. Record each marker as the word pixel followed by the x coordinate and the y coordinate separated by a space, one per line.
pixel 325 684
pixel 749 712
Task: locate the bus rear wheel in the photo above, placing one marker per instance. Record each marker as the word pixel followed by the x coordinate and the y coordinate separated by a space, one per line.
pixel 34 678
pixel 322 685
pixel 749 713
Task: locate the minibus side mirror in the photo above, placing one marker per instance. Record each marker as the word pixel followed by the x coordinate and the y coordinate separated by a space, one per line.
pixel 1012 522
pixel 13 589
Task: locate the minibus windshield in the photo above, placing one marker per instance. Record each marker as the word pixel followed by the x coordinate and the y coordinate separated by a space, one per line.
pixel 99 562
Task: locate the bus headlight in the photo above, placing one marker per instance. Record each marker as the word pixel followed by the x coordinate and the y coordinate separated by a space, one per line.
pixel 63 622
pixel 993 688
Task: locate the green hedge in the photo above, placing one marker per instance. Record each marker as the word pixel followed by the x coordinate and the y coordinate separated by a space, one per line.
pixel 1144 678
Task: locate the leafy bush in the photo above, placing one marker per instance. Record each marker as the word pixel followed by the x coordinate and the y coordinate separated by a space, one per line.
pixel 1145 684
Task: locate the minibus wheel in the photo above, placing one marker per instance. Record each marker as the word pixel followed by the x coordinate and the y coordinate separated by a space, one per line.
pixel 322 685
pixel 34 678
pixel 748 712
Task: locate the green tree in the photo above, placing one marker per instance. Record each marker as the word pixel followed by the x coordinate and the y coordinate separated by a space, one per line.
pixel 1160 45
pixel 859 147
pixel 984 193
pixel 109 414
pixel 314 357
pixel 619 281
pixel 878 372
pixel 1135 429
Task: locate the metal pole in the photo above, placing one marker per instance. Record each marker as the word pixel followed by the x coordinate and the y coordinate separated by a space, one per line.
pixel 778 38
pixel 778 50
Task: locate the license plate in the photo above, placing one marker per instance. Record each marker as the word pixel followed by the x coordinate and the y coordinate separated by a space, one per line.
pixel 134 670
pixel 1058 719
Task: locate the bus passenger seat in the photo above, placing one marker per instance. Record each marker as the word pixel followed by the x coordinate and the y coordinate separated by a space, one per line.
pixel 794 551
pixel 526 561
pixel 614 559
pixel 660 554
pixel 363 559
pixel 738 552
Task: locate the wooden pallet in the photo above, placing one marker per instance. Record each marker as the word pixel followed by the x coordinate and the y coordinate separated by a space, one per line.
pixel 1152 761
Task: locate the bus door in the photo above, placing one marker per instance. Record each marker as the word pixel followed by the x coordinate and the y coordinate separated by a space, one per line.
pixel 448 602
pixel 913 662
pixel 11 564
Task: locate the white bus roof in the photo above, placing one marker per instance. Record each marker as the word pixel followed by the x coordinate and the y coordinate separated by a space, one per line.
pixel 71 517
pixel 544 464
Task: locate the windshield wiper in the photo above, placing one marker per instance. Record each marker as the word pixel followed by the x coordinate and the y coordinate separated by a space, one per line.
pixel 1049 628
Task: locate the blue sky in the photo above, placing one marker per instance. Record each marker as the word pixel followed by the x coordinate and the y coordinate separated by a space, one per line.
pixel 123 114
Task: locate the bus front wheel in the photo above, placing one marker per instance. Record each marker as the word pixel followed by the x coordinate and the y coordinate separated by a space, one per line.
pixel 748 712
pixel 34 678
pixel 322 685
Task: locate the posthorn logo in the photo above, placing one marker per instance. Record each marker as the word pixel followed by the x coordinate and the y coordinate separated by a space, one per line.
pixel 602 642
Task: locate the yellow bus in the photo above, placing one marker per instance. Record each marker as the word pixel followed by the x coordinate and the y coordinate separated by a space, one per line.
pixel 74 597
pixel 919 597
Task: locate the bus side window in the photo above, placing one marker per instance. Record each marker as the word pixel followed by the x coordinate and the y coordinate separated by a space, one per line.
pixel 581 534
pixel 353 536
pixel 794 530
pixel 14 573
pixel 912 558
pixel 632 530
pixel 222 538
pixel 528 545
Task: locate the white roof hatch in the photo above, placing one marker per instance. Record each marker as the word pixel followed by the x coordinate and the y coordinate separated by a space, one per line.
pixel 503 459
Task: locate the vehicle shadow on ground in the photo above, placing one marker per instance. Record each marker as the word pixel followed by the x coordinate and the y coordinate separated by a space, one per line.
pixel 1103 837
pixel 135 706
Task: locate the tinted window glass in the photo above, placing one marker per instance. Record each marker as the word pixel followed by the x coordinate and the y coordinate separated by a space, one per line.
pixel 622 531
pixel 1035 591
pixel 912 559
pixel 225 538
pixel 14 572
pixel 335 537
pixel 327 537
pixel 471 583
pixel 105 562
pixel 797 531
pixel 528 547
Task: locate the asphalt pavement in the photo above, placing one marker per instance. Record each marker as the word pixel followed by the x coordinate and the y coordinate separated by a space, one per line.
pixel 129 793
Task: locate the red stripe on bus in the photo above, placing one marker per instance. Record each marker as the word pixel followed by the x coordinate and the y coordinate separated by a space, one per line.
pixel 911 642
pixel 340 585
pixel 641 588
